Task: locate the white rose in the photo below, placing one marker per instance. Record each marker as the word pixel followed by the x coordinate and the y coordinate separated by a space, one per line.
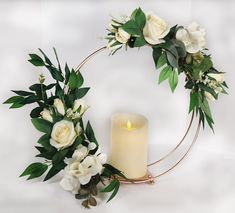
pixel 70 183
pixel 46 115
pixel 209 97
pixel 122 36
pixel 112 46
pixel 219 77
pixel 155 29
pixel 80 103
pixel 59 106
pixel 63 134
pixel 84 170
pixel 193 37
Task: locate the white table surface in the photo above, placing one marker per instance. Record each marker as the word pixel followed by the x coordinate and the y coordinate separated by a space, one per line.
pixel 204 182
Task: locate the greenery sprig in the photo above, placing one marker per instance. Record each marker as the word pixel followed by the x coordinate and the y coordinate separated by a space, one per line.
pixel 176 51
pixel 66 144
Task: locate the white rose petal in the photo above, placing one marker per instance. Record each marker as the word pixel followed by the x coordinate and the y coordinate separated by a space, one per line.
pixel 46 115
pixel 91 146
pixel 70 183
pixel 59 106
pixel 63 134
pixel 80 153
pixel 122 36
pixel 193 37
pixel 209 96
pixel 78 128
pixel 80 103
pixel 155 29
pixel 219 77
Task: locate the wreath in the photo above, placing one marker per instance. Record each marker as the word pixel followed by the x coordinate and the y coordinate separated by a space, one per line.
pixel 68 144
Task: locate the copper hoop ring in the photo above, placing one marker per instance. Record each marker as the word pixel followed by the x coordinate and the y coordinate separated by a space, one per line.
pixel 150 178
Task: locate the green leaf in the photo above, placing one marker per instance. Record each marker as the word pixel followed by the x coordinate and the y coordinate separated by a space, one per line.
pixel 161 61
pixel 113 186
pixel 173 80
pixel 16 105
pixel 36 60
pixel 206 64
pixel 14 99
pixel 210 122
pixel 131 27
pixel 59 91
pixel 55 169
pixel 203 87
pixel 164 74
pixel 55 73
pixel 203 103
pixel 35 113
pixel 157 53
pixel 139 17
pixel 22 93
pixel 34 170
pixel 57 59
pixel 81 92
pixel 90 133
pixel 59 156
pixel 180 47
pixel 46 58
pixel 75 80
pixel 109 171
pixel 193 101
pixel 42 125
pixel 139 42
pixel 45 142
pixel 172 56
pixel 67 73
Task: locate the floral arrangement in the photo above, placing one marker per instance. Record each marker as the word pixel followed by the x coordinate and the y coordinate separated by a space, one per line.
pixel 176 50
pixel 67 144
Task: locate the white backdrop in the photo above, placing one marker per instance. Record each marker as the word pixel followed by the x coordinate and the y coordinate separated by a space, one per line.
pixel 125 82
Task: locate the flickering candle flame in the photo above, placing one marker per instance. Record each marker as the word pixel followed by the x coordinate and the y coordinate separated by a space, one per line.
pixel 129 125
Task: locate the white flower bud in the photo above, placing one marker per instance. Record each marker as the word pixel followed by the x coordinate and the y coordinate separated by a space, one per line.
pixel 46 115
pixel 59 106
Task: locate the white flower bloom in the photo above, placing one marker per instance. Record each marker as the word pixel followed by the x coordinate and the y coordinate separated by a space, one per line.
pixel 78 128
pixel 59 106
pixel 82 151
pixel 113 47
pixel 155 29
pixel 80 103
pixel 219 77
pixel 63 134
pixel 46 115
pixel 122 36
pixel 193 37
pixel 70 183
pixel 209 97
pixel 85 170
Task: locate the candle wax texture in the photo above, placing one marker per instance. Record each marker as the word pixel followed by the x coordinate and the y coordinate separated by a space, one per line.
pixel 129 144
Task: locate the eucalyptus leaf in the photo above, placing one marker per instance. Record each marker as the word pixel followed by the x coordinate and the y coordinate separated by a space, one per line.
pixel 173 80
pixel 164 74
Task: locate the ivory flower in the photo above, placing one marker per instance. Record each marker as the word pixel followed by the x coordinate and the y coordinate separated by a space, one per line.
pixel 209 97
pixel 193 37
pixel 70 183
pixel 82 151
pixel 122 36
pixel 80 103
pixel 59 106
pixel 112 46
pixel 46 115
pixel 155 29
pixel 219 77
pixel 63 134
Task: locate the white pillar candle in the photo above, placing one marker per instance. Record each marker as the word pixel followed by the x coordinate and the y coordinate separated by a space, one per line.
pixel 128 147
